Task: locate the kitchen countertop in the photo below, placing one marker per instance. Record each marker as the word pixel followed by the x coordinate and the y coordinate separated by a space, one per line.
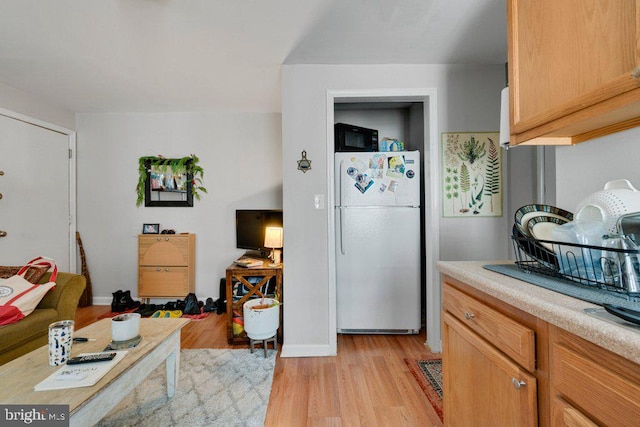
pixel 555 308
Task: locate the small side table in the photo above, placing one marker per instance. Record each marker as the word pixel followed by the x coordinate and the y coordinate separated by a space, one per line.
pixel 241 274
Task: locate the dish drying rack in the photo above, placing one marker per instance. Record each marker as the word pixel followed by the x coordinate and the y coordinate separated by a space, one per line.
pixel 593 266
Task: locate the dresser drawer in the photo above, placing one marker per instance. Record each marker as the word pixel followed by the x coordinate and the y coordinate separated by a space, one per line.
pixel 164 250
pixel 511 337
pixel 164 281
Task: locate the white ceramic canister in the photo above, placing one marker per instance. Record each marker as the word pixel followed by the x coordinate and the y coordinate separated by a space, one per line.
pixel 125 326
pixel 261 323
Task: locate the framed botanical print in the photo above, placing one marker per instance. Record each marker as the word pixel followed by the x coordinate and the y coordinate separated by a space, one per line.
pixel 471 174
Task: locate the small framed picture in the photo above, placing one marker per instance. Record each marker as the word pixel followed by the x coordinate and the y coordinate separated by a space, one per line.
pixel 151 229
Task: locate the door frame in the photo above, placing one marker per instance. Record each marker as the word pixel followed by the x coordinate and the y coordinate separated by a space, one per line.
pixel 71 136
pixel 431 153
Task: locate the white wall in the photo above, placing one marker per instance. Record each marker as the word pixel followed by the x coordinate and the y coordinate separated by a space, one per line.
pixel 469 100
pixel 25 103
pixel 584 168
pixel 241 157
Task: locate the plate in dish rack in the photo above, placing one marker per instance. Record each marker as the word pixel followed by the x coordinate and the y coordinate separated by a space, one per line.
pixel 525 213
pixel 534 249
pixel 541 226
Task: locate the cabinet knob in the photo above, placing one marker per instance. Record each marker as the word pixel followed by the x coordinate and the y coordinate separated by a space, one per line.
pixel 517 383
pixel 636 73
pixel 166 238
pixel 158 269
pixel 158 239
pixel 469 316
pixel 166 269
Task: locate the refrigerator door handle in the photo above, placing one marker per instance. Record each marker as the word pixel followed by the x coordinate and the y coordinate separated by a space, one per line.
pixel 341 238
pixel 340 187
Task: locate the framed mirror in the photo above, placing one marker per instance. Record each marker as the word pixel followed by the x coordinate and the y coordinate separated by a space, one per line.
pixel 168 185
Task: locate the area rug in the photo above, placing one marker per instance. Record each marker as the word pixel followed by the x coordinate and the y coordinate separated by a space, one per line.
pixel 220 387
pixel 428 373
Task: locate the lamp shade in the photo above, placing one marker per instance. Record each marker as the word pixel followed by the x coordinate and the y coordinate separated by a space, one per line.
pixel 273 237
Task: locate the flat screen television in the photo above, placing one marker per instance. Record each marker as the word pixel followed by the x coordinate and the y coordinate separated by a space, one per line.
pixel 250 226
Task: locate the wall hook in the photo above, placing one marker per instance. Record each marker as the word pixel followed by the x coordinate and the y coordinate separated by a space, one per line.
pixel 304 164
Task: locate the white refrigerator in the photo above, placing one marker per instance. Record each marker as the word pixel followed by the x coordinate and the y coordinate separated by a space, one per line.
pixel 378 242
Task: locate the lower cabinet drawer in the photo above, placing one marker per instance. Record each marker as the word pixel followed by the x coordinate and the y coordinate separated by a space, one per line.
pixel 164 281
pixel 604 395
pixel 510 336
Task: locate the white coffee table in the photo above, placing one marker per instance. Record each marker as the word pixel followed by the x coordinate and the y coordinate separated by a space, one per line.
pixel 88 405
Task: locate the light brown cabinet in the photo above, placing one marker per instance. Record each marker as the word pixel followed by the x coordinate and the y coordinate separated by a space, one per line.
pixel 488 350
pixel 166 265
pixel 573 69
pixel 591 384
pixel 483 383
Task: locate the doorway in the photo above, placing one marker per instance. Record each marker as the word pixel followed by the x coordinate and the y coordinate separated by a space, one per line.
pixel 430 153
pixel 38 191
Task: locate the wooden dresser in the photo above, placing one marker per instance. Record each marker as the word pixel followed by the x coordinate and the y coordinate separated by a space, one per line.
pixel 166 265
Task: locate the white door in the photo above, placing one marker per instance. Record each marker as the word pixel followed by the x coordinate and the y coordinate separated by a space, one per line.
pixel 35 188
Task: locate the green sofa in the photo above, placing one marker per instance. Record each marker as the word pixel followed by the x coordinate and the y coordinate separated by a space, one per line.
pixel 32 332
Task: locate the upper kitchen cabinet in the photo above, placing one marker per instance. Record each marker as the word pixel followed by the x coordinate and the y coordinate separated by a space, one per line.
pixel 573 69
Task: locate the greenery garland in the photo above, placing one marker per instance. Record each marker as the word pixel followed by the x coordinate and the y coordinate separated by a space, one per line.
pixel 188 164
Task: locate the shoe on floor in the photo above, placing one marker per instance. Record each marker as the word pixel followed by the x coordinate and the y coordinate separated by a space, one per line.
pixel 191 304
pixel 159 313
pixel 173 313
pixel 116 305
pixel 147 310
pixel 209 305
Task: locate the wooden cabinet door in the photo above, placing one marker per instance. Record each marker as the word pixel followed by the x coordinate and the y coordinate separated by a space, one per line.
pixel 163 282
pixel 163 250
pixel 565 415
pixel 568 60
pixel 482 386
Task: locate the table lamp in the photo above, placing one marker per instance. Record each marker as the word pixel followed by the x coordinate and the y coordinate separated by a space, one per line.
pixel 273 240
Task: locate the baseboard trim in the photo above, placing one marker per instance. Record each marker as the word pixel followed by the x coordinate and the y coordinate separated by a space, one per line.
pixel 102 300
pixel 306 351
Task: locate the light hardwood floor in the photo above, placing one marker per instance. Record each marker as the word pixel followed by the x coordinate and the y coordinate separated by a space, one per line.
pixel 367 384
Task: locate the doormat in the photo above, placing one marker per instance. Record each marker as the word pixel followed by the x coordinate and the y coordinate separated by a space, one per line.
pixel 428 373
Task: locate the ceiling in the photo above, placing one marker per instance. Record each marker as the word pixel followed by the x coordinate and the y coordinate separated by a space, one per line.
pixel 224 55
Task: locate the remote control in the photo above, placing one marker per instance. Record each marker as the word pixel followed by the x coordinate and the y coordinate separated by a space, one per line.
pixel 90 358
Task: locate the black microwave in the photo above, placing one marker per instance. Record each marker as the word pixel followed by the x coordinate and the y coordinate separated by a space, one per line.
pixel 355 138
